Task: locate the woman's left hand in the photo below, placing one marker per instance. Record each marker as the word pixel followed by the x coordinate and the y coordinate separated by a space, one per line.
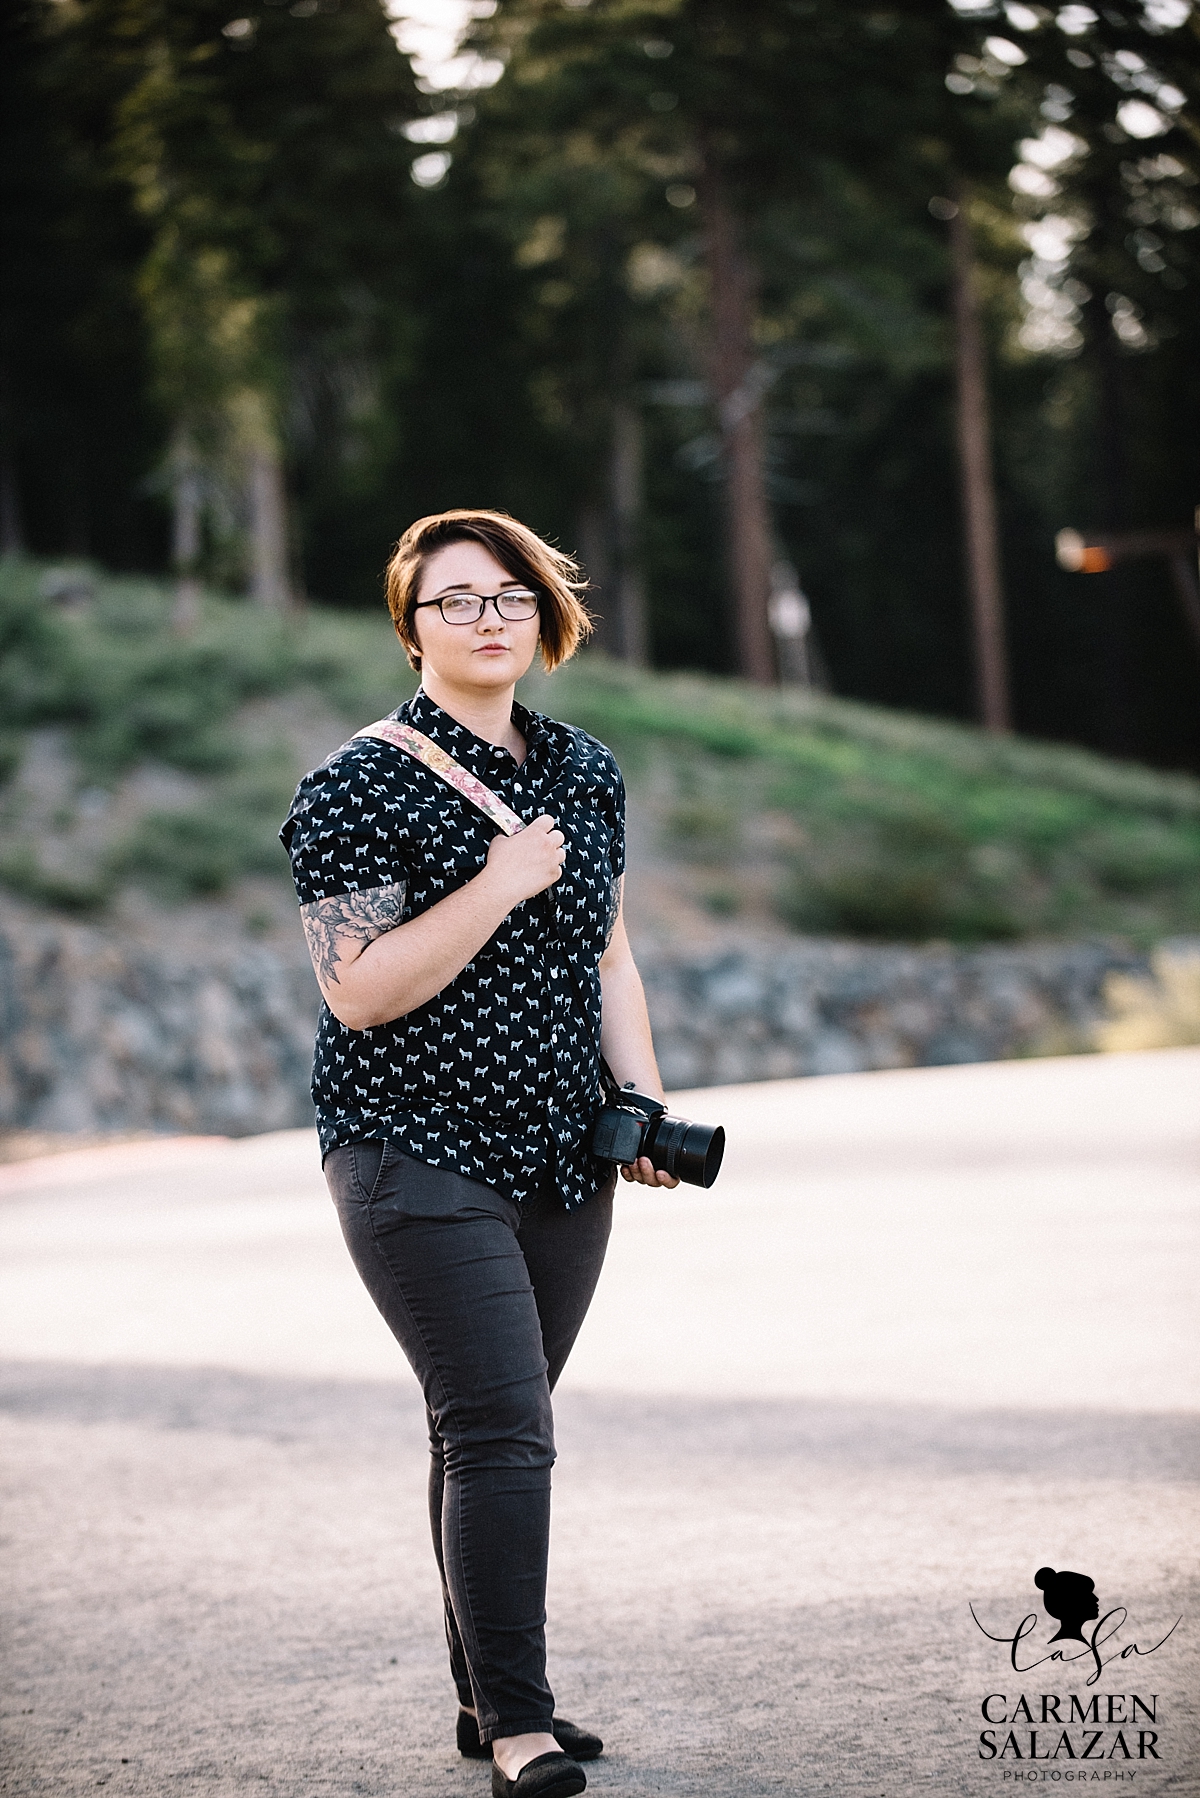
pixel 644 1172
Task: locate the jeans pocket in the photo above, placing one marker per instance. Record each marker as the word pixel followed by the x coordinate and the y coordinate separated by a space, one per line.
pixel 371 1162
pixel 410 1192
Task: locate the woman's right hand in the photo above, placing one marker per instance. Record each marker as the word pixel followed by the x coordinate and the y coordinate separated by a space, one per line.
pixel 529 862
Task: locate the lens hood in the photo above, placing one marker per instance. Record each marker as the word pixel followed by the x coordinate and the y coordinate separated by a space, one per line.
pixel 690 1152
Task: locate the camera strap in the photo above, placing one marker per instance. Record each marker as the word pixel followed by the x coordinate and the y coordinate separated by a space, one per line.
pixel 424 750
pixel 624 1097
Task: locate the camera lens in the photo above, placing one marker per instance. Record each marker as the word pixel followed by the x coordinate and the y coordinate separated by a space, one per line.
pixel 691 1152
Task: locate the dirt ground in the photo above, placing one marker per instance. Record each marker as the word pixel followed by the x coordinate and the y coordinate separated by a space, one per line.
pixel 930 1332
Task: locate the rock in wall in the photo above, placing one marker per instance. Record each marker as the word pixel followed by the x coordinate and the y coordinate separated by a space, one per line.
pixel 110 1028
pixel 814 1006
pixel 104 1031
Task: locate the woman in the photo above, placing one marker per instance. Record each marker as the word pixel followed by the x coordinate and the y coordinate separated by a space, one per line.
pixel 471 982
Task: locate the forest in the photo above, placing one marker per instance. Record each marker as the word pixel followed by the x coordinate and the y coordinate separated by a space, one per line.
pixel 809 324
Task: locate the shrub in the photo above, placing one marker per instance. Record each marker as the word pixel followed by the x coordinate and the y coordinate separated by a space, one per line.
pixel 701 829
pixel 22 873
pixel 197 852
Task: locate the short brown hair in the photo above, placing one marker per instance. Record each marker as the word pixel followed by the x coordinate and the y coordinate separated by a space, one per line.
pixel 556 578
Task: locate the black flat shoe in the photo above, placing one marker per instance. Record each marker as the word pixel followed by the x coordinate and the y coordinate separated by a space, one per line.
pixel 468 1738
pixel 546 1776
pixel 580 1744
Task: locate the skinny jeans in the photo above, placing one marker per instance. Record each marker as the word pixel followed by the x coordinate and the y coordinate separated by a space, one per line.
pixel 486 1298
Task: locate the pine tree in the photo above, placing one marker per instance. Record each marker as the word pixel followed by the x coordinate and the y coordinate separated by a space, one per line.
pixel 265 155
pixel 744 108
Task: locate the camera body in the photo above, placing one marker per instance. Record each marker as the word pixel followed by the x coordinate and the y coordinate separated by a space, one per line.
pixel 632 1125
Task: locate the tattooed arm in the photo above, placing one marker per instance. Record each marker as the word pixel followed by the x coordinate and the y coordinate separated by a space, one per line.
pixel 338 930
pixel 371 968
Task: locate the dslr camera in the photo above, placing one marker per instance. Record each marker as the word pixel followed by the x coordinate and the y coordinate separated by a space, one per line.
pixel 631 1125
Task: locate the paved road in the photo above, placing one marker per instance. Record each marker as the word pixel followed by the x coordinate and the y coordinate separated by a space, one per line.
pixel 932 1330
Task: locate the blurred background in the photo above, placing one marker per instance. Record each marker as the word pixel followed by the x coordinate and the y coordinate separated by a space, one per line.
pixel 854 347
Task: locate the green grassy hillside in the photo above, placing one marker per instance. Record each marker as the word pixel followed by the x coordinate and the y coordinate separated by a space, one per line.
pixel 134 757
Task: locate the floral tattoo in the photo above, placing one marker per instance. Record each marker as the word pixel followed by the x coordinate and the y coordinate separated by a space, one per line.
pixel 350 920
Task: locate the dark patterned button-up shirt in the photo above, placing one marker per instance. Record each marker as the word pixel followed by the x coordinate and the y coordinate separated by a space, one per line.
pixel 497 1077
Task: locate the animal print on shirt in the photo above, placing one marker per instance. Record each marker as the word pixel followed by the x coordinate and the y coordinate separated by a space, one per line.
pixel 497 1076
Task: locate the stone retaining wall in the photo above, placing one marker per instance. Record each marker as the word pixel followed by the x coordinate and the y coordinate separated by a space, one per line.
pixel 820 1007
pixel 102 1030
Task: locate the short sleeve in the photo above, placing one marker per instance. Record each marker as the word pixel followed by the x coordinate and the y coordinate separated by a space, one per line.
pixel 617 848
pixel 599 766
pixel 337 835
pixel 609 787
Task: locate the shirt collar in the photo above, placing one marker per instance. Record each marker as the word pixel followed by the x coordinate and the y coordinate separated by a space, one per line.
pixel 531 725
pixel 480 757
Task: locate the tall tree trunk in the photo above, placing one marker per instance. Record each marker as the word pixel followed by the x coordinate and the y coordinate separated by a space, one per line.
pixel 626 500
pixel 1187 588
pixel 12 536
pixel 592 531
pixel 185 530
pixel 76 511
pixel 978 485
pixel 1111 622
pixel 266 501
pixel 12 540
pixel 269 585
pixel 731 286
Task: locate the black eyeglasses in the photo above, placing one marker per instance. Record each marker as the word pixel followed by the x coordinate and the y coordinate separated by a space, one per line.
pixel 514 604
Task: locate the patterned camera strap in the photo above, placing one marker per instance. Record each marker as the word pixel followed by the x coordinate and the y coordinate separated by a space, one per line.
pixel 424 749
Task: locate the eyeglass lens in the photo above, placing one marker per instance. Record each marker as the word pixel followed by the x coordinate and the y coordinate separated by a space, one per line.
pixel 465 608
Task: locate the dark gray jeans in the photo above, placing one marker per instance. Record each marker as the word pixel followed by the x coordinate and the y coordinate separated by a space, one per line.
pixel 486 1298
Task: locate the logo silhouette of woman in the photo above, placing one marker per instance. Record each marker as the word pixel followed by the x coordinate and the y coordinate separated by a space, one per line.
pixel 1070 1598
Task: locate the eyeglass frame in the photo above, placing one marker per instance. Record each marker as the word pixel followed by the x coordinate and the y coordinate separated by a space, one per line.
pixel 485 600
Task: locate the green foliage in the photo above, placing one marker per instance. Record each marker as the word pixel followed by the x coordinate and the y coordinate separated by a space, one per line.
pixel 211 224
pixel 589 149
pixel 892 825
pixel 197 853
pixel 203 210
pixel 79 435
pixel 696 827
pixel 129 693
pixel 38 663
pixel 129 688
pixel 908 828
pixel 835 740
pixel 834 127
pixel 22 873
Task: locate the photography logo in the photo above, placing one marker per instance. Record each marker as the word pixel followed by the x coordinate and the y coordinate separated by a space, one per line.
pixel 1078 1724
